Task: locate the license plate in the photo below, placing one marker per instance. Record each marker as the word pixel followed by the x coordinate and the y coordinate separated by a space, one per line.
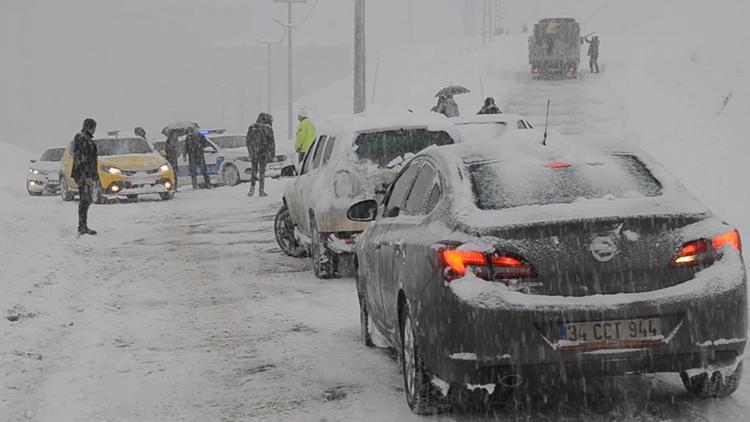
pixel 142 180
pixel 614 331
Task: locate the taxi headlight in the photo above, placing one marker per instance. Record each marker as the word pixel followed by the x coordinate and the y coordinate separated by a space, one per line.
pixel 112 170
pixel 33 171
pixel 164 168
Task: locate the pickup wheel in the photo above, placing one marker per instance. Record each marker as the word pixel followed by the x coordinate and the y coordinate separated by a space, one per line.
pixel 325 263
pixel 283 228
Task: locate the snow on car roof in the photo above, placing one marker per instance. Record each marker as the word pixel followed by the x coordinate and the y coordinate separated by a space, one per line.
pixel 487 118
pixel 383 118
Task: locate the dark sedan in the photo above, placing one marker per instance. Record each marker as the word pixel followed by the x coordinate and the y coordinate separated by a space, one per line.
pixel 489 268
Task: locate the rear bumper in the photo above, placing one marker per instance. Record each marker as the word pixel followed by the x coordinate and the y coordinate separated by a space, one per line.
pixel 479 331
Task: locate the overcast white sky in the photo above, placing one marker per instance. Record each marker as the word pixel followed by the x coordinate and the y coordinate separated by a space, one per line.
pixel 146 62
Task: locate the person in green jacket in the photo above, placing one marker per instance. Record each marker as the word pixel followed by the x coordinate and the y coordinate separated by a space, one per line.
pixel 306 133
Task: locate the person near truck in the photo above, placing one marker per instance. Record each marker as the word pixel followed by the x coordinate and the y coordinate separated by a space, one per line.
pixel 306 133
pixel 85 172
pixel 261 148
pixel 593 53
pixel 195 146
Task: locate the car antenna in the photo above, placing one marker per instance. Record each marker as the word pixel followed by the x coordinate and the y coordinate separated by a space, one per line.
pixel 546 125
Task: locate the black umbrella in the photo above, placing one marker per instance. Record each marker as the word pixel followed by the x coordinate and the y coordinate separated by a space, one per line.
pixel 182 128
pixel 452 90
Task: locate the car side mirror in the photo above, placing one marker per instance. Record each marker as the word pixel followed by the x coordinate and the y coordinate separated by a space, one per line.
pixel 289 171
pixel 363 211
pixel 33 161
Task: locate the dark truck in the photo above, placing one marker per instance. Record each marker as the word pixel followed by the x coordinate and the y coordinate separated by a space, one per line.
pixel 555 48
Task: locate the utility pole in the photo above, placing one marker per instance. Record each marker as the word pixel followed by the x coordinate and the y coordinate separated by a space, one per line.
pixel 290 83
pixel 360 80
pixel 487 22
pixel 269 45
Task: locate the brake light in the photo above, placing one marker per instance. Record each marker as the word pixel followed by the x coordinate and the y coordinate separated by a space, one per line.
pixel 730 238
pixel 496 266
pixel 704 251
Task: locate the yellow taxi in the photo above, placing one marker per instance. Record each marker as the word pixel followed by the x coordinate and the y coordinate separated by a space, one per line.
pixel 128 166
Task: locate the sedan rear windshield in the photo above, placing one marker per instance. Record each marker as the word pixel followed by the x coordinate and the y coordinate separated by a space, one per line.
pixel 122 146
pixel 383 147
pixel 517 183
pixel 229 142
pixel 54 154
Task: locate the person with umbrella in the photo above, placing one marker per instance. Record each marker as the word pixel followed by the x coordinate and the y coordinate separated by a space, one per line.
pixel 195 145
pixel 446 105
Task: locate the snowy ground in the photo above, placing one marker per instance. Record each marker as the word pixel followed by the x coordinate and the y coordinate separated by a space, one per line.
pixel 186 310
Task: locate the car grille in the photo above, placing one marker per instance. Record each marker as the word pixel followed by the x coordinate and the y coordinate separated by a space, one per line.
pixel 135 172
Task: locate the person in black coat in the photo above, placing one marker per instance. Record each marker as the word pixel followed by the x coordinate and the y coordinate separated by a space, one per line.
pixel 489 107
pixel 172 152
pixel 85 172
pixel 195 146
pixel 593 53
pixel 261 148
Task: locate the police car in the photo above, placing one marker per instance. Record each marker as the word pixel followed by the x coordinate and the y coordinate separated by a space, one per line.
pixel 226 158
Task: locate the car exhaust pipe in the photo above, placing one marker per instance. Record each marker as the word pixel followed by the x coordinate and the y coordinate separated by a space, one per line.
pixel 511 381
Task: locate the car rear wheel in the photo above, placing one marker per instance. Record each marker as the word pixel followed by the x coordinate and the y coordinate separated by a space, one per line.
pixel 713 384
pixel 324 261
pixel 283 228
pixel 423 398
pixel 65 193
pixel 230 176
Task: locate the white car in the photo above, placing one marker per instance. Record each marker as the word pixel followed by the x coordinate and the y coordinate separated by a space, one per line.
pixel 43 174
pixel 480 127
pixel 352 159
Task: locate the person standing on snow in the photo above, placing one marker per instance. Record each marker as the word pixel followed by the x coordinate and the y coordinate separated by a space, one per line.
pixel 490 107
pixel 195 145
pixel 593 53
pixel 85 172
pixel 446 106
pixel 139 131
pixel 306 133
pixel 171 150
pixel 261 148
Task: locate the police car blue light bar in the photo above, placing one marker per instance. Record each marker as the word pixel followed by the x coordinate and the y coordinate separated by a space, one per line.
pixel 212 131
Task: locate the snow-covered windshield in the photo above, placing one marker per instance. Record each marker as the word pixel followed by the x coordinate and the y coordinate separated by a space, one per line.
pixel 54 154
pixel 383 147
pixel 227 142
pixel 516 183
pixel 482 130
pixel 122 146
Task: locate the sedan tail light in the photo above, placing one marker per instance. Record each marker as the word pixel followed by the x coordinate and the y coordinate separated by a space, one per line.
pixel 487 266
pixel 704 252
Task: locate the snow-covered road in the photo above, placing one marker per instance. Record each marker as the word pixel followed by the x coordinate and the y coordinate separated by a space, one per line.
pixel 186 310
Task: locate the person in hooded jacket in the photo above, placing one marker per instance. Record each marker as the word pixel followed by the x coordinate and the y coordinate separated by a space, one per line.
pixel 306 134
pixel 490 107
pixel 195 146
pixel 85 172
pixel 261 148
pixel 593 53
